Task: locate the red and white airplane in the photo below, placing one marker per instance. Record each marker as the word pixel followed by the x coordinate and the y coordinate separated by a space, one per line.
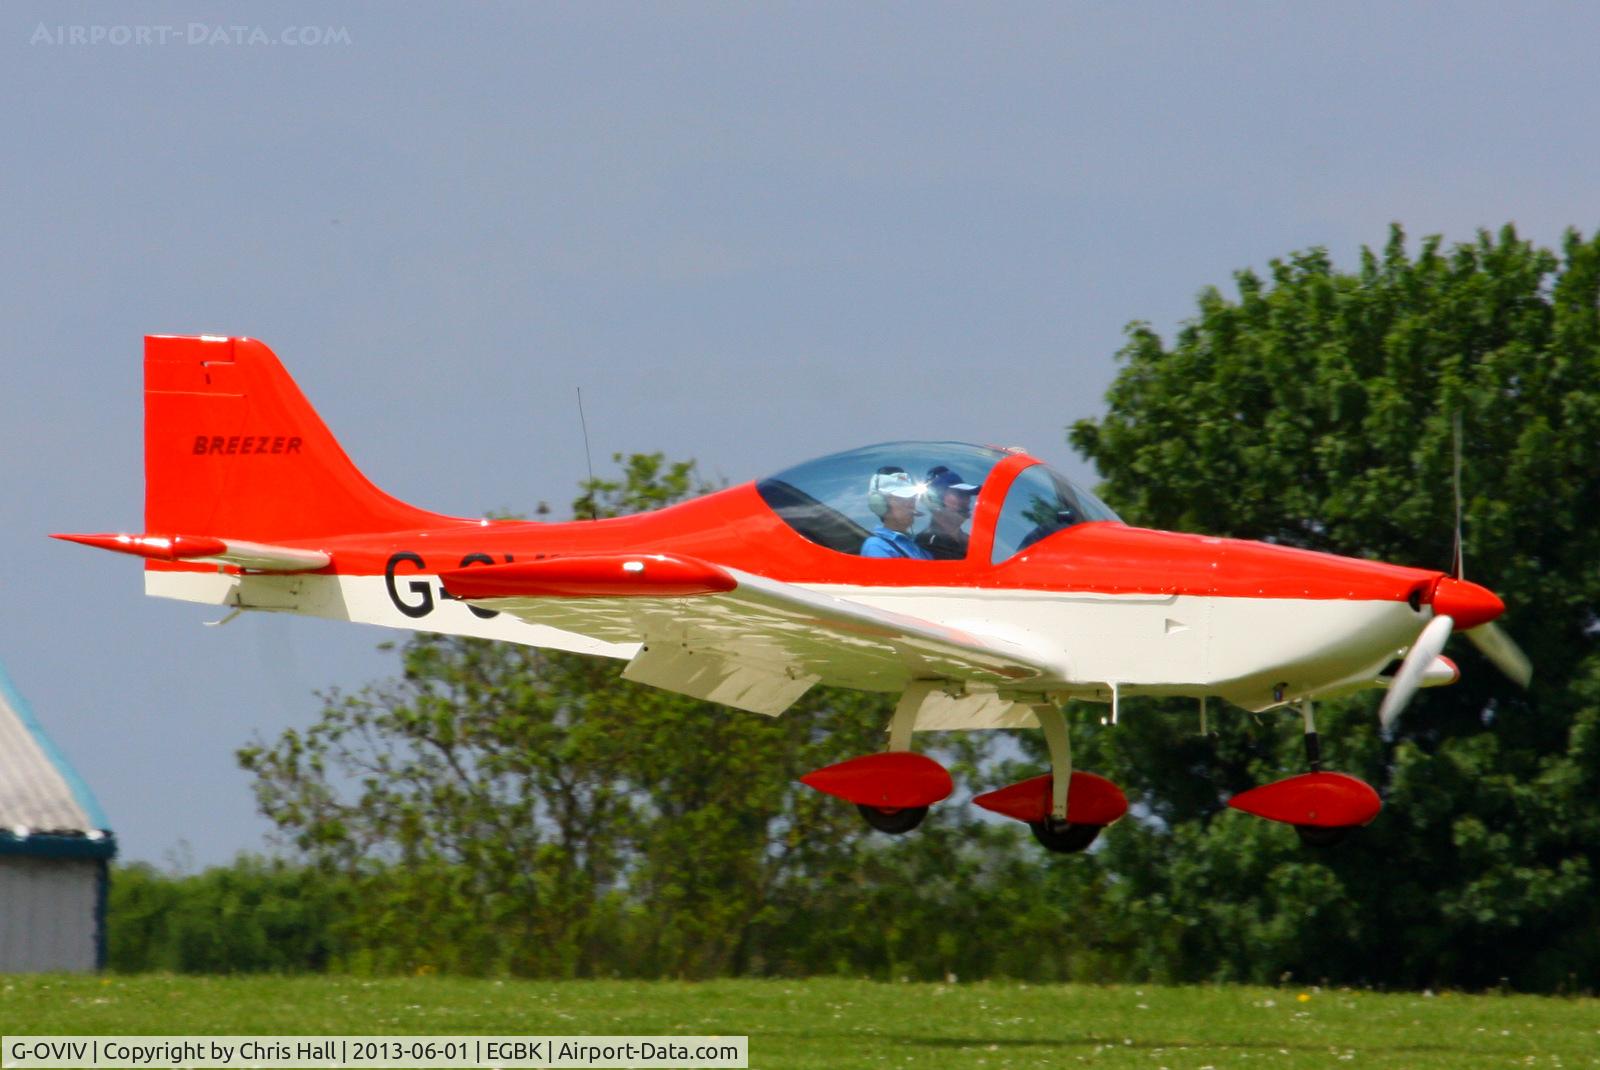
pixel 751 595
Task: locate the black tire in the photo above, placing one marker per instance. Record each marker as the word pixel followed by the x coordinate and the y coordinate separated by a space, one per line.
pixel 894 822
pixel 1322 836
pixel 1063 837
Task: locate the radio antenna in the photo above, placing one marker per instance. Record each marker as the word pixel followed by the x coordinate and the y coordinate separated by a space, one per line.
pixel 594 512
pixel 1458 564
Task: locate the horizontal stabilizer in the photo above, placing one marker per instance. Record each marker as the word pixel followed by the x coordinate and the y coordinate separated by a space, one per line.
pixel 204 549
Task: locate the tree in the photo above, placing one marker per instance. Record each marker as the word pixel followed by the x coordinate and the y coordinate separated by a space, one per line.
pixel 252 916
pixel 1315 409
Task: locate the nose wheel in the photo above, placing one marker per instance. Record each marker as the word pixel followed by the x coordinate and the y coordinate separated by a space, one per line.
pixel 1323 807
pixel 1322 836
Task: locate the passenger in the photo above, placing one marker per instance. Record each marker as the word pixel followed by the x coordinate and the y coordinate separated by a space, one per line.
pixel 892 497
pixel 950 499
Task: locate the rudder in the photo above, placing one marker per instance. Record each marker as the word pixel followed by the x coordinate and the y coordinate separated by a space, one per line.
pixel 234 449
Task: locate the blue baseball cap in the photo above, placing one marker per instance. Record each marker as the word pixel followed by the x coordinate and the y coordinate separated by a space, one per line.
pixel 941 479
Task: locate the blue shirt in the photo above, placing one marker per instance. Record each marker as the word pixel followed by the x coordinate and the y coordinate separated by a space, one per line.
pixel 886 542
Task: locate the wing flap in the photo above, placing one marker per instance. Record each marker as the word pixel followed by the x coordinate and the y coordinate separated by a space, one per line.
pixel 715 678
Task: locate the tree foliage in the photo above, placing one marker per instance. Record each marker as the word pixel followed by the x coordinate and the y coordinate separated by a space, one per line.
pixel 1315 409
pixel 254 916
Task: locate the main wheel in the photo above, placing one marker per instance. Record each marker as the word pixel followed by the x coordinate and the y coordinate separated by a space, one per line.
pixel 1063 837
pixel 894 822
pixel 1322 835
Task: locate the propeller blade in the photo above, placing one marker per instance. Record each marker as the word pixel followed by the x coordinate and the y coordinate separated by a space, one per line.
pixel 1496 645
pixel 1421 655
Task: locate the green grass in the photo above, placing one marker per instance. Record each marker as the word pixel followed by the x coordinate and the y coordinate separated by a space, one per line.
pixel 837 1024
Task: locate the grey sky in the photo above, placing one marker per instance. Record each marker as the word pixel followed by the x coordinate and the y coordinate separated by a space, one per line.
pixel 751 233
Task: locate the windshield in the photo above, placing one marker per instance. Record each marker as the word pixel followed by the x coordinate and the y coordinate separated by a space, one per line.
pixel 1041 502
pixel 921 492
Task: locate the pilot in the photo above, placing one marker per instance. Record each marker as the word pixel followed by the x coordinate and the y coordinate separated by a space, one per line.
pixel 949 499
pixel 892 497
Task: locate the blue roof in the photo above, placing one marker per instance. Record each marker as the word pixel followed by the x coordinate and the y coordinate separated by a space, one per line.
pixel 44 803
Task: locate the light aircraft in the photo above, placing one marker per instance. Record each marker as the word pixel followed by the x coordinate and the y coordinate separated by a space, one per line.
pixel 751 595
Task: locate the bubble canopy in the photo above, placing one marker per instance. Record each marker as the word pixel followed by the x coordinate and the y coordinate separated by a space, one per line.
pixel 826 500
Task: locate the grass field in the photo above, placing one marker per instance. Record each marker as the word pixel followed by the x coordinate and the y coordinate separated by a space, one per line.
pixel 837 1024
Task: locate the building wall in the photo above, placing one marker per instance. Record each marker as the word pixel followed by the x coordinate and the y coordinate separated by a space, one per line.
pixel 49 921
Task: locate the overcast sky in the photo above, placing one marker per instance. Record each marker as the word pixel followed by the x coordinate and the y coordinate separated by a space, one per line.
pixel 750 233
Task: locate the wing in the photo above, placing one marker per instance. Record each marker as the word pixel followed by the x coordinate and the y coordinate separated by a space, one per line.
pixel 733 637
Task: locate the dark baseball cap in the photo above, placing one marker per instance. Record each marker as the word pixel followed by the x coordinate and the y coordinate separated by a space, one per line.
pixel 941 479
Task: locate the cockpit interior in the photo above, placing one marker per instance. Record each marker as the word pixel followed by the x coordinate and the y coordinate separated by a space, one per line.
pixel 842 501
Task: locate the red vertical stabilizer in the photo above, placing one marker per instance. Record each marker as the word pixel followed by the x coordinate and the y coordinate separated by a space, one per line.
pixel 233 449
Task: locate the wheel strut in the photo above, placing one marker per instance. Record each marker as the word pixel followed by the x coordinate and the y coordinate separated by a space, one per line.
pixel 904 721
pixel 1059 742
pixel 1313 742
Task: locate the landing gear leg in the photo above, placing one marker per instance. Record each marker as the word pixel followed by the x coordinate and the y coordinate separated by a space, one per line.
pixel 1316 835
pixel 904 721
pixel 1056 832
pixel 1313 743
